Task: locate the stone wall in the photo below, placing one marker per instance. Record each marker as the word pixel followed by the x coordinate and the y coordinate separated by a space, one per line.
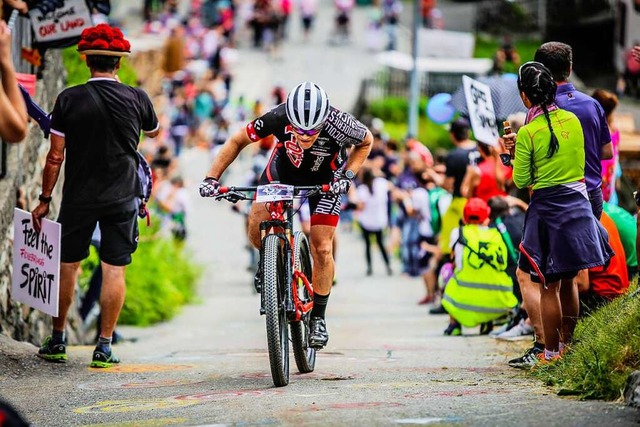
pixel 24 173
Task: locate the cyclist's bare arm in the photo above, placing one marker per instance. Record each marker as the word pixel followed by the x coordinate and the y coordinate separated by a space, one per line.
pixel 228 153
pixel 359 153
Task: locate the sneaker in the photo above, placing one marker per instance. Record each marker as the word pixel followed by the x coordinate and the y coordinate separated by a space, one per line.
pixel 437 310
pixel 103 359
pixel 426 300
pixel 453 330
pixel 542 360
pixel 528 359
pixel 486 328
pixel 521 331
pixel 500 330
pixel 53 352
pixel 319 336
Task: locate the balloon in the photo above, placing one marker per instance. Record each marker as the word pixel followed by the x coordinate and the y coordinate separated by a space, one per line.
pixel 439 108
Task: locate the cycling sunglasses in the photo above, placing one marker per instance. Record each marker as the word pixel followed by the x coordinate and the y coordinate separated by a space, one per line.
pixel 310 132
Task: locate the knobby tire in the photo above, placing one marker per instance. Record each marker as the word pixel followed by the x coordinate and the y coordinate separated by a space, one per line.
pixel 273 286
pixel 305 356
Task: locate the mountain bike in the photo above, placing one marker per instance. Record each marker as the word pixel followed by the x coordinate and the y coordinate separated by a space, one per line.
pixel 284 275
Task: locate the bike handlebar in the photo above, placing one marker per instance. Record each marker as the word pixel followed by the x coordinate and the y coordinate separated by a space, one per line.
pixel 234 193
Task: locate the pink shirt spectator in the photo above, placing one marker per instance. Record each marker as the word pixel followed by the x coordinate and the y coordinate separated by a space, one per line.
pixel 609 168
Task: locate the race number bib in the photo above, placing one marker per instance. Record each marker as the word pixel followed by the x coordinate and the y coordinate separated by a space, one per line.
pixel 274 193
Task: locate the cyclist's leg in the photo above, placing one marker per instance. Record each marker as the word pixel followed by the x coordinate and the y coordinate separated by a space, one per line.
pixel 325 214
pixel 323 263
pixel 257 214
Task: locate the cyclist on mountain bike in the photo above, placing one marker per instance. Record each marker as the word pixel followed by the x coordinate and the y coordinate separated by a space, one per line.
pixel 312 142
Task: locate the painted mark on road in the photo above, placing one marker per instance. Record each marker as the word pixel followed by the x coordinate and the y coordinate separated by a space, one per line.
pixel 428 420
pixel 131 405
pixel 142 384
pixel 143 423
pixel 326 376
pixel 137 368
pixel 387 385
pixel 348 406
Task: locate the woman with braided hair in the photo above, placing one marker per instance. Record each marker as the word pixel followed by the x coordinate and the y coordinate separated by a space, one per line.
pixel 561 236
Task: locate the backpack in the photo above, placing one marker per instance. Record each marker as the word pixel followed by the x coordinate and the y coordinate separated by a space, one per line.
pixel 436 215
pixel 146 183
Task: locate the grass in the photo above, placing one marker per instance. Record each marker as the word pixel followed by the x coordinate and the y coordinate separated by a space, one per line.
pixel 160 280
pixel 78 73
pixel 431 134
pixel 486 47
pixel 605 352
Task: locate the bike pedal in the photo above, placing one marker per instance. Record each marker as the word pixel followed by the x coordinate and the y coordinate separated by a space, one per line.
pixel 315 345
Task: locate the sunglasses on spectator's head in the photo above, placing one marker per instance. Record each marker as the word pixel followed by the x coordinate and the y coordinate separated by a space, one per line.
pixel 310 132
pixel 527 64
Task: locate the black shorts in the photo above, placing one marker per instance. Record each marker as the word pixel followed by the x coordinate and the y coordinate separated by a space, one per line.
pixel 425 257
pixel 118 229
pixel 525 265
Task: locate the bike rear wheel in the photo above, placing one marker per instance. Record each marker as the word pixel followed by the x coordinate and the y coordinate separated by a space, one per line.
pixel 305 356
pixel 274 286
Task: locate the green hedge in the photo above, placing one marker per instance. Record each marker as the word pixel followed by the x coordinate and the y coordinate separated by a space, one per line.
pixel 160 280
pixel 78 73
pixel 394 111
pixel 605 352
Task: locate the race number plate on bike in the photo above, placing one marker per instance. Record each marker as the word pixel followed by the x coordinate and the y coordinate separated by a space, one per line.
pixel 274 193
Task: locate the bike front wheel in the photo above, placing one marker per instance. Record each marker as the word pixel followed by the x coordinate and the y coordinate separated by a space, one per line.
pixel 305 355
pixel 274 286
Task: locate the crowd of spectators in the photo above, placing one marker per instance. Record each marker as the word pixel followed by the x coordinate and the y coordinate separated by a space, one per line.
pixel 459 220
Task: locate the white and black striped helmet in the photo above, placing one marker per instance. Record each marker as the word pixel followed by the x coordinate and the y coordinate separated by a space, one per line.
pixel 307 106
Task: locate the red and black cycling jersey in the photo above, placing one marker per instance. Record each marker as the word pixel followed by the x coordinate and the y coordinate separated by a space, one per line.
pixel 290 164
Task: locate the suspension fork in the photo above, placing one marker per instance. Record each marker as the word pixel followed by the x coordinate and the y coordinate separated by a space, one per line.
pixel 282 229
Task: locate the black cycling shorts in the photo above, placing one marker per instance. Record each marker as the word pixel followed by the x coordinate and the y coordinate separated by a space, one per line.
pixel 118 229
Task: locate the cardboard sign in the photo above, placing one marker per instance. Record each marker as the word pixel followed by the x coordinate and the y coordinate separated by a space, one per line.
pixel 481 113
pixel 36 263
pixel 62 23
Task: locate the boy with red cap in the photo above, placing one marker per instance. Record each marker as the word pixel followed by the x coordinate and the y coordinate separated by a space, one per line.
pixel 480 290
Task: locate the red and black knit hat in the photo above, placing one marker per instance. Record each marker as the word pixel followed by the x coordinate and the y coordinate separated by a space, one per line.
pixel 103 40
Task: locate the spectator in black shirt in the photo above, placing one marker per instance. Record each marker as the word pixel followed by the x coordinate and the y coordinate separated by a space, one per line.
pixel 101 182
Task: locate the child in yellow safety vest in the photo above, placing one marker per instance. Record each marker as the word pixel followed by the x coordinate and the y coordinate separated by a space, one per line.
pixel 480 290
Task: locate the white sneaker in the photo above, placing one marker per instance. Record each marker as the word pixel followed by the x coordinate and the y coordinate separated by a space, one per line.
pixel 521 331
pixel 501 330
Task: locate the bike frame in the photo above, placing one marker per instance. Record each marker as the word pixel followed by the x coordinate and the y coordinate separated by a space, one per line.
pixel 281 225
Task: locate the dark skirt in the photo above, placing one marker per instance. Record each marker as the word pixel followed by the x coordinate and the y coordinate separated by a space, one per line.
pixel 561 236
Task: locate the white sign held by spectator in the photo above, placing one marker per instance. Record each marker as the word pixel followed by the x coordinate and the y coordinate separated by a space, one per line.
pixel 36 263
pixel 62 23
pixel 481 113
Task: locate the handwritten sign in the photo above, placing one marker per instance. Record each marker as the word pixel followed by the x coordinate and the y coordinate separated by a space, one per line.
pixel 36 263
pixel 481 113
pixel 62 23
